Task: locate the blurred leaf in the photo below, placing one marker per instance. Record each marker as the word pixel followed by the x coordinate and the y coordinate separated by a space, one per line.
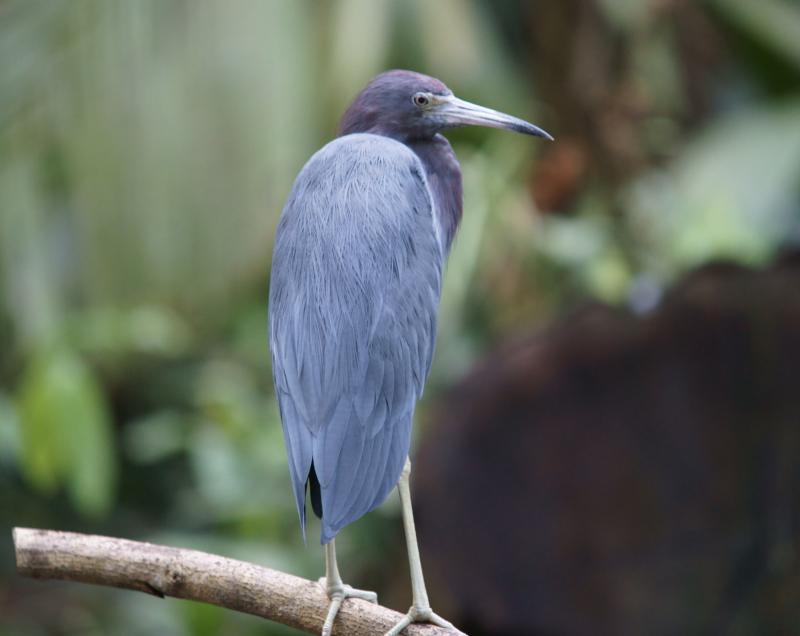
pixel 203 619
pixel 27 249
pixel 145 329
pixel 732 193
pixel 609 276
pixel 349 67
pixel 9 432
pixel 66 432
pixel 248 340
pixel 584 246
pixel 159 142
pixel 218 469
pixel 226 393
pixel 156 437
pixel 626 14
pixel 776 23
pixel 575 241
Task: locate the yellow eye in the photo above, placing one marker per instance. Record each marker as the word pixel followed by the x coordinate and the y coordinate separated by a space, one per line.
pixel 421 99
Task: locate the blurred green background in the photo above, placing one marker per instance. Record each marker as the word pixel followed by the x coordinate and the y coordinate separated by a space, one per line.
pixel 146 149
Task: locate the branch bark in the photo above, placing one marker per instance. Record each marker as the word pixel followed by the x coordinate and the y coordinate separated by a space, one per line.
pixel 188 574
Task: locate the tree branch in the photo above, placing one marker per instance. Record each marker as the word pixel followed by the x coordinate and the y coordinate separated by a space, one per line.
pixel 198 576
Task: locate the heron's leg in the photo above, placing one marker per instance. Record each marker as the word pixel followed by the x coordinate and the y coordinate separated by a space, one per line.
pixel 336 590
pixel 420 611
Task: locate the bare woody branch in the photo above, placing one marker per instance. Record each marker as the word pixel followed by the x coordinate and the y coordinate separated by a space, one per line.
pixel 188 574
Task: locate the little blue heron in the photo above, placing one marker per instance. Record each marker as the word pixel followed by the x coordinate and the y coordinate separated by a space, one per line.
pixel 354 291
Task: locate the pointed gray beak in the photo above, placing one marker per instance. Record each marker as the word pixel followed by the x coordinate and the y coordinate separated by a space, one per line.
pixel 457 112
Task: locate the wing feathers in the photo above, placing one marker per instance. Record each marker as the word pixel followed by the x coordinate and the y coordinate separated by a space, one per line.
pixel 367 398
pixel 355 284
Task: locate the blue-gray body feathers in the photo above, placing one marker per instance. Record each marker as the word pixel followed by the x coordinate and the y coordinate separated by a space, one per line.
pixel 355 285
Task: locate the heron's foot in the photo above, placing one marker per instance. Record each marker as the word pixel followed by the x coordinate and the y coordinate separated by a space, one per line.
pixel 337 594
pixel 420 615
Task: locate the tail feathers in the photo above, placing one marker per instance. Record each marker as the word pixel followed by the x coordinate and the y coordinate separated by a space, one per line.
pixel 372 482
pixel 316 492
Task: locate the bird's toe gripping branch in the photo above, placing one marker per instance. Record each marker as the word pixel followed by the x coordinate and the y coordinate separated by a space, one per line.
pixel 420 615
pixel 338 592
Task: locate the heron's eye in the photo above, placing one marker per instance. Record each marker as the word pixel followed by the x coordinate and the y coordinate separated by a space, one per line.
pixel 421 99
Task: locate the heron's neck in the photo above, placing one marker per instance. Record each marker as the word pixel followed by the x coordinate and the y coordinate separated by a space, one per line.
pixel 444 180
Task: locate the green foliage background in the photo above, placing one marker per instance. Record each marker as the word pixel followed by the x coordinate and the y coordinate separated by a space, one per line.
pixel 146 149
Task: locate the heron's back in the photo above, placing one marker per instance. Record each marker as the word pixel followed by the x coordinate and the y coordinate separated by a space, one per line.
pixel 356 276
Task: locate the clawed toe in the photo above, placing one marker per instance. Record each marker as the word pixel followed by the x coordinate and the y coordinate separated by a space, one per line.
pixel 337 594
pixel 366 595
pixel 333 610
pixel 438 620
pixel 420 615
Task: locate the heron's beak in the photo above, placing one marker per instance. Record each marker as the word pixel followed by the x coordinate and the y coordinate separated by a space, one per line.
pixel 457 112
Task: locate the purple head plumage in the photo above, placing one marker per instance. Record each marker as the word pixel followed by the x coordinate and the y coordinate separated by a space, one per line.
pixel 408 106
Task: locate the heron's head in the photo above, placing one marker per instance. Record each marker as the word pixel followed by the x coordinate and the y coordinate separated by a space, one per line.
pixel 407 105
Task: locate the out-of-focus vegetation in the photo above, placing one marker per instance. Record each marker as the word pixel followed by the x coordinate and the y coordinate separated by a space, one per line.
pixel 146 149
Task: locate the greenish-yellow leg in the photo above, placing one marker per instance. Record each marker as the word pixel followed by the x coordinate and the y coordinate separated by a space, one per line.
pixel 420 611
pixel 336 590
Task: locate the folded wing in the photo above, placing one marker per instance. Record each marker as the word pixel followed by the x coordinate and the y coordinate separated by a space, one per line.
pixel 356 278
